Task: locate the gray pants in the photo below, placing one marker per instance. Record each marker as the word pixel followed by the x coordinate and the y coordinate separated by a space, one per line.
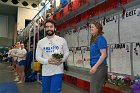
pixel 98 78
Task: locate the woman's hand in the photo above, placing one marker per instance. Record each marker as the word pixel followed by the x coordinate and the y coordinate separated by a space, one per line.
pixel 93 70
pixel 80 61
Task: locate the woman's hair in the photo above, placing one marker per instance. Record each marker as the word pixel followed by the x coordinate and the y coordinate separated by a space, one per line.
pixel 100 31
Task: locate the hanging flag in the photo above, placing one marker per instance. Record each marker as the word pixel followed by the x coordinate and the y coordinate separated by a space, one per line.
pixel 63 3
pixel 70 7
pixel 61 13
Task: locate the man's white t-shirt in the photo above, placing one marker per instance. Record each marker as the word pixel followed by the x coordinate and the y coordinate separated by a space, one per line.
pixel 45 48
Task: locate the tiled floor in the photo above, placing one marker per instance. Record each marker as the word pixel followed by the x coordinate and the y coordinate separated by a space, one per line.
pixel 6 75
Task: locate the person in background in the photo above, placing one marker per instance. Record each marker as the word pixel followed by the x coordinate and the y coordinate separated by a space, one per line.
pixel 12 50
pixel 98 56
pixel 21 61
pixel 52 73
pixel 14 54
pixel 10 56
pixel 5 55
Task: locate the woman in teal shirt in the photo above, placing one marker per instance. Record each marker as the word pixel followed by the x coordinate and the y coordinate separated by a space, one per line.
pixel 98 55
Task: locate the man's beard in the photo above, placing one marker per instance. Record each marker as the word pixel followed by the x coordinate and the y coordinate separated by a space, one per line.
pixel 50 32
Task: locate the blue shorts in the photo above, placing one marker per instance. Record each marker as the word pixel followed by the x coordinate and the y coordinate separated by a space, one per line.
pixel 10 59
pixel 52 84
pixel 21 63
pixel 17 62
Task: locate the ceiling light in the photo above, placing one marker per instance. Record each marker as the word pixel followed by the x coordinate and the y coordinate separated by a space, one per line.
pixel 24 3
pixel 34 5
pixel 15 1
pixel 4 0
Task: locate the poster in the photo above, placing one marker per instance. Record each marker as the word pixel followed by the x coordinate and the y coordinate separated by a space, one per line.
pixel 108 57
pixel 83 37
pixel 77 56
pixel 74 39
pixel 110 28
pixel 120 58
pixel 68 37
pixel 70 59
pixel 86 56
pixel 130 26
pixel 136 58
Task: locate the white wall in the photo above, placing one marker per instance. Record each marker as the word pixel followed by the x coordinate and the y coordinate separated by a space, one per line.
pixel 24 13
pixel 3 26
pixel 11 35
